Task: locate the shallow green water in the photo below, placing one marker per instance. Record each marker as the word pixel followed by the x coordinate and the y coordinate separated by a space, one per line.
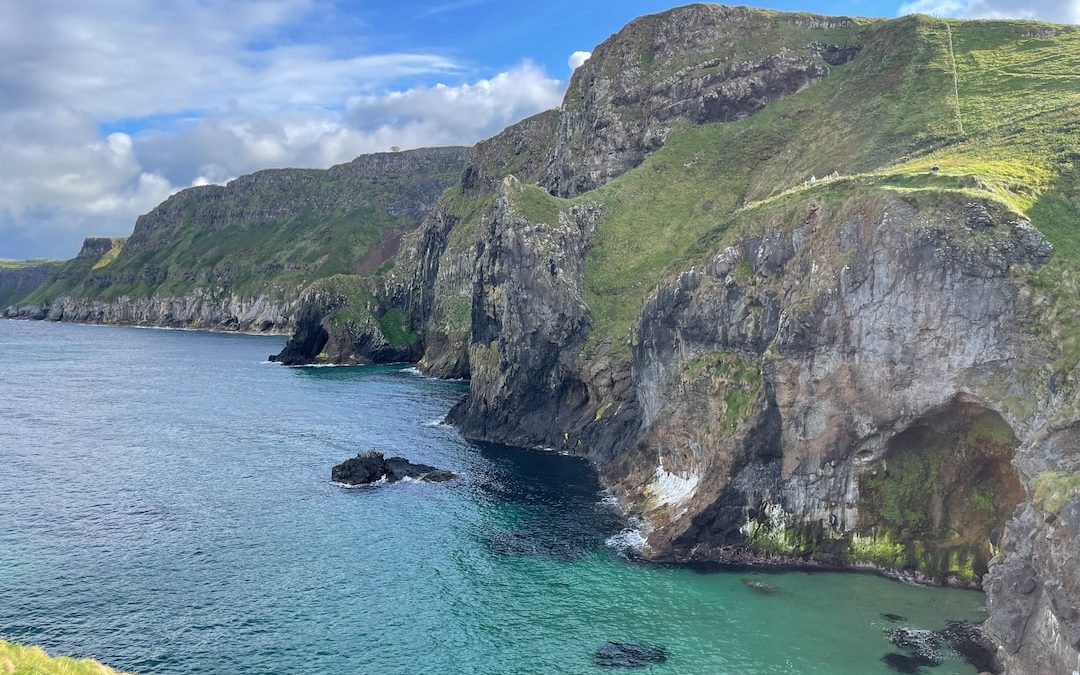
pixel 165 506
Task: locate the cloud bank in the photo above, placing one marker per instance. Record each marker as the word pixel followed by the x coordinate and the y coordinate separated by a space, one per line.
pixel 1060 11
pixel 109 109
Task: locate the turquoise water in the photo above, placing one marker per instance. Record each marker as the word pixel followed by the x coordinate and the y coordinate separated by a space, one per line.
pixel 165 506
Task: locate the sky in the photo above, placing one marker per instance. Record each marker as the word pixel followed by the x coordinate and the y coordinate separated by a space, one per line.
pixel 109 106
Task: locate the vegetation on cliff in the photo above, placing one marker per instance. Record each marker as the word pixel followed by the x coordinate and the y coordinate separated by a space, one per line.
pixel 266 234
pixel 26 660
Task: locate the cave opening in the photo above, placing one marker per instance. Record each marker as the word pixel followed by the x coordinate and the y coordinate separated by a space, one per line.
pixel 942 492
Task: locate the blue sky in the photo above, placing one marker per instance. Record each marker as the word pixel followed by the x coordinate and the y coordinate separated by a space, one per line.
pixel 109 106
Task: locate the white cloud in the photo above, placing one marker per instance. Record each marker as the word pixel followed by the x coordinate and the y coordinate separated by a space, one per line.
pixel 240 140
pixel 206 91
pixel 578 58
pixel 1061 11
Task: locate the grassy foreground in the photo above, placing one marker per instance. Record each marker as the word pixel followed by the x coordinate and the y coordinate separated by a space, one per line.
pixel 18 659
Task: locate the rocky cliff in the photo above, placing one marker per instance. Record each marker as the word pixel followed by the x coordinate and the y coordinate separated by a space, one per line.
pixel 238 256
pixel 19 277
pixel 804 289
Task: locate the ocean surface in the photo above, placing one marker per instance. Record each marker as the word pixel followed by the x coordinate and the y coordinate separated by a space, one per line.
pixel 165 506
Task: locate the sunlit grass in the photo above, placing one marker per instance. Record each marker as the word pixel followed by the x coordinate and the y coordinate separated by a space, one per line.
pixel 16 659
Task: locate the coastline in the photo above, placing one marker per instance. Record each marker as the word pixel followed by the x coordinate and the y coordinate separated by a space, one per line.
pixel 207 329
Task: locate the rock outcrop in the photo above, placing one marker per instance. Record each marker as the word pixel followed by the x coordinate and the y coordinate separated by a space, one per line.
pixel 686 65
pixel 371 467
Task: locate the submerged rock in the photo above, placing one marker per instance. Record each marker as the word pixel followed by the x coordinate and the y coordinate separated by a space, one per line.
pixel 535 543
pixel 371 467
pixel 629 655
pixel 760 586
pixel 905 663
pixel 925 645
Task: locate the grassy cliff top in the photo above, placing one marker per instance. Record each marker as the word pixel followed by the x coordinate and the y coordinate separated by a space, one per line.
pixel 994 105
pixel 9 264
pixel 270 232
pixel 25 660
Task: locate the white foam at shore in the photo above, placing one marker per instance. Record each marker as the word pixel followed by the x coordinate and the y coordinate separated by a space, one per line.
pixel 413 370
pixel 629 541
pixel 609 500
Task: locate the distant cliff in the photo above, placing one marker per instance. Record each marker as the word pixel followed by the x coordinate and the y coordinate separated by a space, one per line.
pixel 20 277
pixel 238 256
pixel 805 289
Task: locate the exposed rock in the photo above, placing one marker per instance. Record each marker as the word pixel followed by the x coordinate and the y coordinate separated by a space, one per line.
pixel 95 247
pixel 629 655
pixel 971 643
pixel 924 645
pixel 432 280
pixel 663 69
pixel 18 281
pixel 371 467
pixel 199 308
pixel 239 256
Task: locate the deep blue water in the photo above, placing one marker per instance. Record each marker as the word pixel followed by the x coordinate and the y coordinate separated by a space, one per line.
pixel 165 506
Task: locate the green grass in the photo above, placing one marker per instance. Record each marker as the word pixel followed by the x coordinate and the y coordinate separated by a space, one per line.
pixel 271 233
pixel 1054 489
pixel 738 378
pixel 16 659
pixel 110 255
pixel 656 215
pixel 881 121
pixel 9 264
pixel 395 328
pixel 536 205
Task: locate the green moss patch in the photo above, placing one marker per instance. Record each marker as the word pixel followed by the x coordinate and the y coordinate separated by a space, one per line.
pixel 395 328
pixel 944 487
pixel 1054 489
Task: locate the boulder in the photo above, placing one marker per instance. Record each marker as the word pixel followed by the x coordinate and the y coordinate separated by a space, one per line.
pixel 371 467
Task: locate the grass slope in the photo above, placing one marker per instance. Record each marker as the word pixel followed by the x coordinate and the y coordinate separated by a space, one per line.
pixel 881 122
pixel 270 233
pixel 16 659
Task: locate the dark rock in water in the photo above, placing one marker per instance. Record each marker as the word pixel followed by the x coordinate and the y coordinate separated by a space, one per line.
pixel 973 645
pixel 925 645
pixel 904 663
pixel 760 586
pixel 894 618
pixel 628 655
pixel 371 467
pixel 966 639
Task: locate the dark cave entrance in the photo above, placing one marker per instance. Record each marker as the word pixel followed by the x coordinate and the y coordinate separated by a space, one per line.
pixel 944 490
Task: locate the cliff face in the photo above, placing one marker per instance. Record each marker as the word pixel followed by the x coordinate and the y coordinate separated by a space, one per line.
pixel 430 285
pixel 238 256
pixel 804 290
pixel 17 279
pixel 693 64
